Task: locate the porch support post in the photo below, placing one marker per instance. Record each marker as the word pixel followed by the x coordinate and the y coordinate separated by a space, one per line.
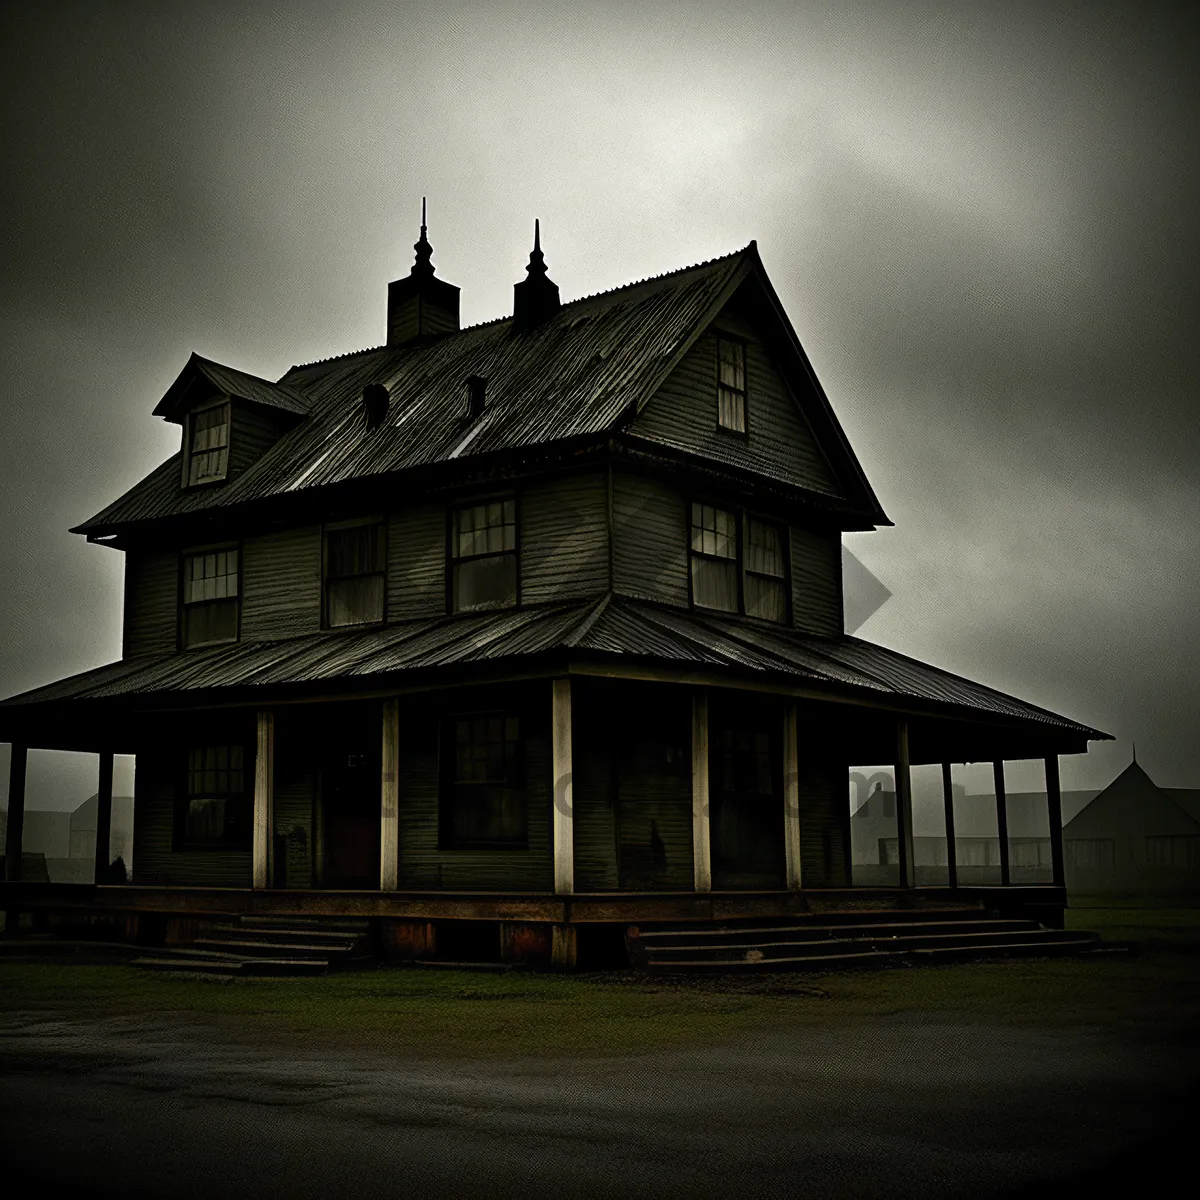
pixel 701 838
pixel 103 816
pixel 264 799
pixel 1002 822
pixel 13 837
pixel 791 796
pixel 564 813
pixel 1054 804
pixel 389 801
pixel 951 845
pixel 904 831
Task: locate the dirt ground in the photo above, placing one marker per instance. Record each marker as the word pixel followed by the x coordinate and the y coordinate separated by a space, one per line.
pixel 1023 1079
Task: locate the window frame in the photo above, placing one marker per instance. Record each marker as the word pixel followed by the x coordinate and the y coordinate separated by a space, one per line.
pixel 182 603
pixel 225 402
pixel 736 340
pixel 448 785
pixel 742 517
pixel 453 559
pixel 203 739
pixel 328 527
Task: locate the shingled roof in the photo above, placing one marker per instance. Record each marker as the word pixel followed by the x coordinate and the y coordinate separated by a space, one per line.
pixel 577 376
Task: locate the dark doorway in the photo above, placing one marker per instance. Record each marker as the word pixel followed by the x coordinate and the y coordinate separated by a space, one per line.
pixel 746 797
pixel 350 796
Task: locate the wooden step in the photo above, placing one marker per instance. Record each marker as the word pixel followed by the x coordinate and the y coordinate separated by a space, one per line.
pixel 855 958
pixel 660 939
pixel 272 949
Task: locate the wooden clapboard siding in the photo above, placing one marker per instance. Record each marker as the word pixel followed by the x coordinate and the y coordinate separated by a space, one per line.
pixel 564 538
pixel 254 430
pixel 296 735
pixel 779 441
pixel 824 856
pixel 594 750
pixel 422 864
pixel 816 581
pixel 649 539
pixel 416 585
pixel 155 862
pixel 151 602
pixel 281 583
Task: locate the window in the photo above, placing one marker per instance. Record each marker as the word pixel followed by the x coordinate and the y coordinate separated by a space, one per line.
pixel 716 551
pixel 210 597
pixel 731 385
pixel 1173 850
pixel 483 800
pixel 1090 852
pixel 355 568
pixel 216 803
pixel 208 445
pixel 483 556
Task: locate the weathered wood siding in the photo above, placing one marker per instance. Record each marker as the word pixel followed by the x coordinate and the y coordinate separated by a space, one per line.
pixel 159 773
pixel 564 538
pixel 254 430
pixel 422 864
pixel 779 441
pixel 151 602
pixel 824 855
pixel 649 539
pixel 816 581
pixel 416 562
pixel 281 583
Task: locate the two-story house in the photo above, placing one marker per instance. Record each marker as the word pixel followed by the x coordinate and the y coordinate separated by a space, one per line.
pixel 536 622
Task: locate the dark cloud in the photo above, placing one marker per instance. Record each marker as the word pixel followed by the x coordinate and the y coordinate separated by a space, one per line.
pixel 981 220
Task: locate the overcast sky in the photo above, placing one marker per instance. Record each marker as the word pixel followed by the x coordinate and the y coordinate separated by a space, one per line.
pixel 981 219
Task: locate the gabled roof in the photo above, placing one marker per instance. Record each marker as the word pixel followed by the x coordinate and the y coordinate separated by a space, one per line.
pixel 233 383
pixel 1132 805
pixel 579 375
pixel 612 629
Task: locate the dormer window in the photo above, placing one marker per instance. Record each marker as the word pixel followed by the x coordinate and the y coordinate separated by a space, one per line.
pixel 731 384
pixel 207 445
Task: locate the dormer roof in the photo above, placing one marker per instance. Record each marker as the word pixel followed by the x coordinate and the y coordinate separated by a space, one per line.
pixel 204 373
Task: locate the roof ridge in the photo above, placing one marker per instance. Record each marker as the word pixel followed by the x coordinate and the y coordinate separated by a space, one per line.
pixel 622 287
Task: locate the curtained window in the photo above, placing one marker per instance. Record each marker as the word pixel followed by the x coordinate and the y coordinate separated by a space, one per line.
pixel 355 569
pixel 210 596
pixel 483 556
pixel 731 384
pixel 208 444
pixel 216 811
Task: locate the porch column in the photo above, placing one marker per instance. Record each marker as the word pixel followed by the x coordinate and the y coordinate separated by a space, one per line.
pixel 1002 822
pixel 1054 804
pixel 264 799
pixel 791 797
pixel 951 845
pixel 103 816
pixel 16 825
pixel 564 814
pixel 389 801
pixel 701 839
pixel 904 829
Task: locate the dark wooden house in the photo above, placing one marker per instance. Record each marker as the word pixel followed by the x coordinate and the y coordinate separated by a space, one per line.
pixel 536 623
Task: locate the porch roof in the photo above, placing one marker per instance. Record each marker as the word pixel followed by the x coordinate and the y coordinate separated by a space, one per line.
pixel 614 630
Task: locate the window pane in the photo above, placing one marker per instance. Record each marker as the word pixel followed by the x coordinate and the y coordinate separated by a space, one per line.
pixel 355 601
pixel 485 528
pixel 731 410
pixel 485 583
pixel 210 576
pixel 765 598
pixel 714 584
pixel 209 446
pixel 714 531
pixel 732 368
pixel 764 552
pixel 215 622
pixel 358 550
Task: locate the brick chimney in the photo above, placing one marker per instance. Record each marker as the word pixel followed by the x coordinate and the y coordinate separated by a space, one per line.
pixel 421 305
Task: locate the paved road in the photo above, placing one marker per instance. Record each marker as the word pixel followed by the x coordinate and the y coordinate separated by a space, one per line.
pixel 144 1107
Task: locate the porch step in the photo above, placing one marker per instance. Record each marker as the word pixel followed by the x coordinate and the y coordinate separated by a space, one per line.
pixel 795 931
pixel 257 945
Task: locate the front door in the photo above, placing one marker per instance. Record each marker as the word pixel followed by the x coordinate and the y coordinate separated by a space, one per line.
pixel 350 799
pixel 746 799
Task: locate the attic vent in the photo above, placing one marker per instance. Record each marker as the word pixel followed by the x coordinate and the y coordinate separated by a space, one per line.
pixel 476 395
pixel 375 400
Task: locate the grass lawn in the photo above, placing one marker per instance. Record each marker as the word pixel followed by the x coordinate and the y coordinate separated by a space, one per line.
pixel 419 1011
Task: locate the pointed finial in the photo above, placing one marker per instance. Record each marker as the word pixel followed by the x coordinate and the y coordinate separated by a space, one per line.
pixel 537 234
pixel 537 260
pixel 1135 752
pixel 422 265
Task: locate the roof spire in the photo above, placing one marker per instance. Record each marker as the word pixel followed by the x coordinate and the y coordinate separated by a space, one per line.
pixel 1135 751
pixel 536 296
pixel 422 265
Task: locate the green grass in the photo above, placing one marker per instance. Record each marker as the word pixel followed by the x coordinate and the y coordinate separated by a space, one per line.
pixel 421 1012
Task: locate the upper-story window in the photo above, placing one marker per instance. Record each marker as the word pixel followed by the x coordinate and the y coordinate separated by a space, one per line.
pixel 207 444
pixel 731 384
pixel 483 555
pixel 355 573
pixel 738 563
pixel 210 596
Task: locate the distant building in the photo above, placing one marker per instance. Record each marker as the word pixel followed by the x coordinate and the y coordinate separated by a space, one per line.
pixel 60 845
pixel 1135 837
